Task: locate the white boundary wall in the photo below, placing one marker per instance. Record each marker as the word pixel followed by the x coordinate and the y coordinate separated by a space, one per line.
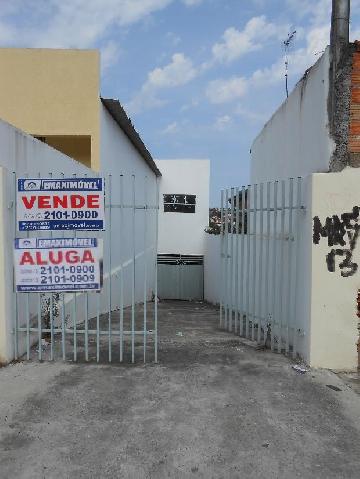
pixel 23 154
pixel 296 140
pixel 212 268
pixel 118 156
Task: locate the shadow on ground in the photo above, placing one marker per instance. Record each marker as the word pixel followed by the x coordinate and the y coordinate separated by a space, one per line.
pixel 180 324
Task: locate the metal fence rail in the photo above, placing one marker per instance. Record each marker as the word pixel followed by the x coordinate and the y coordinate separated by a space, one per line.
pixel 118 323
pixel 260 230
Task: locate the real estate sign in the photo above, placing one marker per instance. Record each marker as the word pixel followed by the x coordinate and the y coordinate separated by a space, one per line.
pixel 58 264
pixel 60 204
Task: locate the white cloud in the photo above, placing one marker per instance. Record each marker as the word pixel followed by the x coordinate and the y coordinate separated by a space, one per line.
pixel 225 90
pixel 109 55
pixel 176 73
pixel 320 14
pixel 316 37
pixel 72 23
pixel 171 128
pixel 251 115
pixel 237 43
pixel 191 3
pixel 222 122
pixel 6 33
pixel 320 10
pixel 188 106
pixel 299 61
pixel 181 69
pixel 145 99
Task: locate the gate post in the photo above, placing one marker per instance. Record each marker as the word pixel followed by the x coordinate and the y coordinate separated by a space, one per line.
pixel 335 269
pixel 6 268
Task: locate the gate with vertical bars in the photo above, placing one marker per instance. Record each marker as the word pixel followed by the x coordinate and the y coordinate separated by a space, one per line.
pixel 119 322
pixel 260 245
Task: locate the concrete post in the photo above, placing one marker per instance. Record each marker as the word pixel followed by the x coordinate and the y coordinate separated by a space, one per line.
pixel 6 274
pixel 335 270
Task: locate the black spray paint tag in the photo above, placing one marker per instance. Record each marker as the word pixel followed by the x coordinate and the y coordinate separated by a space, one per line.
pixel 339 232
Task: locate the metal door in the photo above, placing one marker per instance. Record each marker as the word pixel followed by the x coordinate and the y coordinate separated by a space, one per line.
pixel 181 277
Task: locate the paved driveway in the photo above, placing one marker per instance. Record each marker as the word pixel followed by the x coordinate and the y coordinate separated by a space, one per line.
pixel 213 408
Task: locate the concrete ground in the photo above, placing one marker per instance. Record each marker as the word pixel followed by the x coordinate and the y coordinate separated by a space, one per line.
pixel 213 407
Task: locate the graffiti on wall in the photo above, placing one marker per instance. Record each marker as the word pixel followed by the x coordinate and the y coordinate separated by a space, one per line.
pixel 342 234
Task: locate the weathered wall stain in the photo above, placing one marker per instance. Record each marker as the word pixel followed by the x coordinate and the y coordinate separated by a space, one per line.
pixel 342 232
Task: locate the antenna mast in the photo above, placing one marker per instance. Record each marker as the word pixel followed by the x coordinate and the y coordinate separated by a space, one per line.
pixel 287 45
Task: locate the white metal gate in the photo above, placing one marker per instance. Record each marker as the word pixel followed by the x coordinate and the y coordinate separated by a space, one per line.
pixel 260 231
pixel 118 323
pixel 181 277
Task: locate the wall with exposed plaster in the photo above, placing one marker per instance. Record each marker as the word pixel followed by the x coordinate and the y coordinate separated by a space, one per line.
pixel 296 140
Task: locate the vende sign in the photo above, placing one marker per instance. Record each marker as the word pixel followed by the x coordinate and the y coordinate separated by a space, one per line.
pixel 60 204
pixel 58 264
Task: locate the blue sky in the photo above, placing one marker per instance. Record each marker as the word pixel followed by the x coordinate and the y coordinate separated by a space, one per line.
pixel 198 77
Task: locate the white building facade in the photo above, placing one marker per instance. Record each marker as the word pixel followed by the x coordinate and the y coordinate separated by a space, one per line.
pixel 183 218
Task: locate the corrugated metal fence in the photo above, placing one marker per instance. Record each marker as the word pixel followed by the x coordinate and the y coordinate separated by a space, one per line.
pixel 260 253
pixel 118 323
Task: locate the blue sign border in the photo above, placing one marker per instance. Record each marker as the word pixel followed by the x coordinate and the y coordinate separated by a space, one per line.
pixel 65 184
pixel 66 287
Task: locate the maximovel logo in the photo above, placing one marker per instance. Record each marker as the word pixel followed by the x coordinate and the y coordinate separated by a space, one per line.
pixel 60 184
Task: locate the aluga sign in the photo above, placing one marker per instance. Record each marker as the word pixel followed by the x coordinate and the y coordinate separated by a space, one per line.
pixel 60 204
pixel 58 264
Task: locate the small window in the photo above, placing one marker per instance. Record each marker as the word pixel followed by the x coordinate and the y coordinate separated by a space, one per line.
pixel 179 203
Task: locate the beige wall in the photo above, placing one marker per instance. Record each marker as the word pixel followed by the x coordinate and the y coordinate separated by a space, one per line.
pixel 77 147
pixel 49 92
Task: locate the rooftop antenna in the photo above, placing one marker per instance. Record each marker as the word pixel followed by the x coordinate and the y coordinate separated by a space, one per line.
pixel 287 45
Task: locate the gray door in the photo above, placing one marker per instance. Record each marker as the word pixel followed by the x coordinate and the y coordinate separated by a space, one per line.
pixel 181 277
